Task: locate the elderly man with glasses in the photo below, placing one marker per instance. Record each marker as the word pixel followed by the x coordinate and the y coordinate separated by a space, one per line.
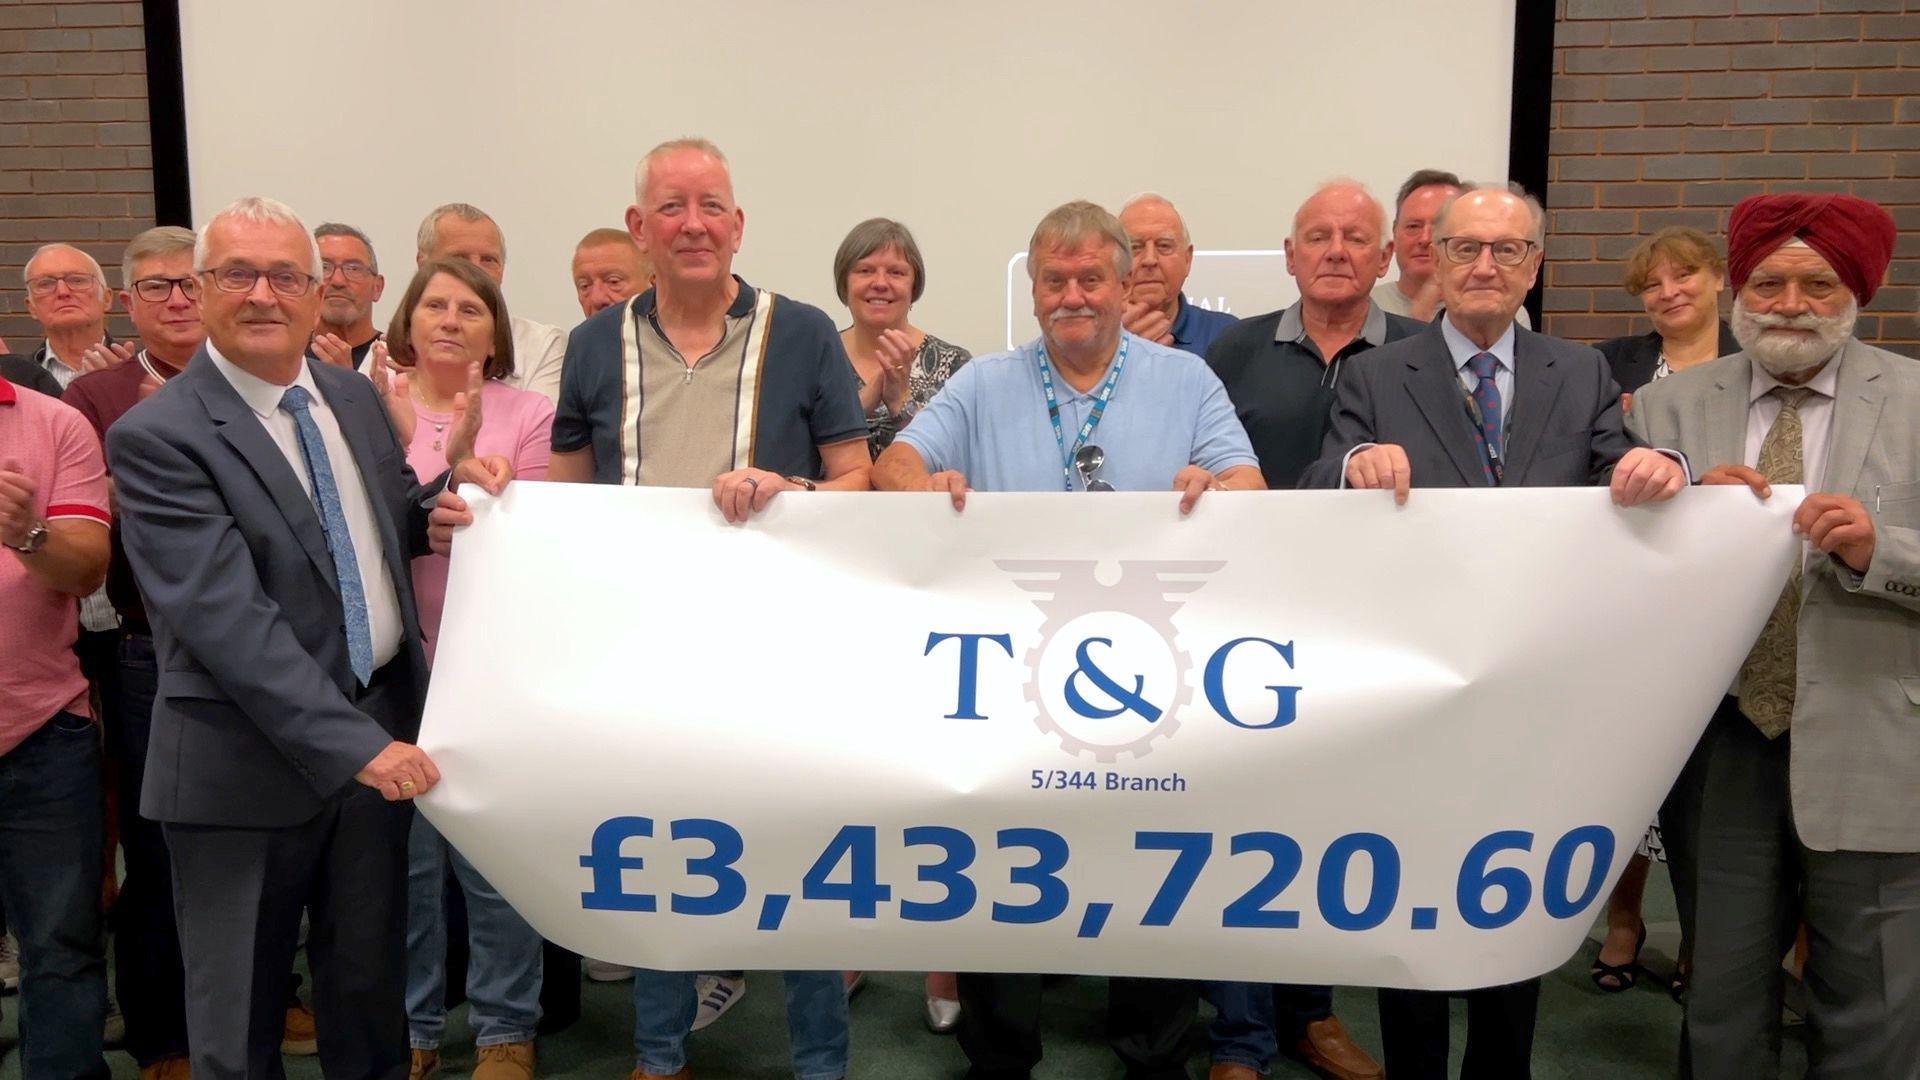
pixel 1088 406
pixel 1476 401
pixel 67 295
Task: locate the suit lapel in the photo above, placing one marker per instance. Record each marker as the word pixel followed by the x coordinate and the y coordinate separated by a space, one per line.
pixel 1536 383
pixel 1723 416
pixel 1859 394
pixel 241 429
pixel 1436 390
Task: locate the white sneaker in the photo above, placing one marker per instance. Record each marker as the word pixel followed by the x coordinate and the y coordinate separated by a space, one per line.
pixel 9 964
pixel 716 994
pixel 607 971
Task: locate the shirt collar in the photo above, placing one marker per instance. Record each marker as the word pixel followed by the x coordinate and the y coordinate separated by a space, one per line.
pixel 1293 324
pixel 1464 350
pixel 1826 384
pixel 647 303
pixel 1183 321
pixel 260 395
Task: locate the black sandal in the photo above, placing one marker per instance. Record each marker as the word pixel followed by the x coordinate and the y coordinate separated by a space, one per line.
pixel 1624 976
pixel 1677 986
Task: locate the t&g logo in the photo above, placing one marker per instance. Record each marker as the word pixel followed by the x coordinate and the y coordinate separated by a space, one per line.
pixel 1108 673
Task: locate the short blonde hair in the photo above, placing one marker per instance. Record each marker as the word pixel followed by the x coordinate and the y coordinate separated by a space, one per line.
pixel 684 142
pixel 1682 247
pixel 1075 223
pixel 155 242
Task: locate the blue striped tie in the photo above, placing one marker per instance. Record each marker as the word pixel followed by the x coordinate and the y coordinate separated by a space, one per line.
pixel 1486 395
pixel 326 494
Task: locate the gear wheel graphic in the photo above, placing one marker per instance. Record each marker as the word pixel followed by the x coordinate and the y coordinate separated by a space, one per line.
pixel 1142 592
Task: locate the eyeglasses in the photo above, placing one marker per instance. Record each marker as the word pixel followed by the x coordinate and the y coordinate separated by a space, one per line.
pixel 156 290
pixel 1465 249
pixel 1087 461
pixel 355 270
pixel 46 283
pixel 240 279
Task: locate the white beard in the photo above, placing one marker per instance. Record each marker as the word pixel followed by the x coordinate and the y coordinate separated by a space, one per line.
pixel 1786 355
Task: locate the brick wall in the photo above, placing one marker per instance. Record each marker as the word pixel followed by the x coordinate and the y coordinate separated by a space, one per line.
pixel 75 160
pixel 1667 112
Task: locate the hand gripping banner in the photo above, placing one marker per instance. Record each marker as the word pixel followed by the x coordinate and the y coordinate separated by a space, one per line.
pixel 1302 737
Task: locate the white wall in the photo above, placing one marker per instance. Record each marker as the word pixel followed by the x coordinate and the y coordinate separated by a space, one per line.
pixel 966 121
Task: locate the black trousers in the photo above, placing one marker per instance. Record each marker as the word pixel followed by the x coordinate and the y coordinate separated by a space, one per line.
pixel 1415 1028
pixel 148 972
pixel 238 894
pixel 1148 1021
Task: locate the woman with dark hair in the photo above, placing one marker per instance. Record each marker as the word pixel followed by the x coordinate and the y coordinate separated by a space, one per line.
pixel 879 275
pixel 452 347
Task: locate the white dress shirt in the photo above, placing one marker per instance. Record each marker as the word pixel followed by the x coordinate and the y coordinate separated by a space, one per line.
pixel 538 352
pixel 263 397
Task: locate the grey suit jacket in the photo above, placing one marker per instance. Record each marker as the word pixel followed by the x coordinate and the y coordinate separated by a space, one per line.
pixel 1565 428
pixel 254 723
pixel 1856 710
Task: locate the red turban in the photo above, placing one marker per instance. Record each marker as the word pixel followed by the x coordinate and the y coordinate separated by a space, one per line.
pixel 1854 235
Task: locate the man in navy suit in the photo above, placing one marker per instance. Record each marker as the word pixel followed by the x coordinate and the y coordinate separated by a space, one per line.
pixel 270 516
pixel 1473 401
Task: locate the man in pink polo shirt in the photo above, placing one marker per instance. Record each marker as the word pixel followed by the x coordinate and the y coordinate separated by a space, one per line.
pixel 53 521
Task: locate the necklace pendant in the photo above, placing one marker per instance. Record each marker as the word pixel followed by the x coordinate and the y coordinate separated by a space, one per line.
pixel 436 444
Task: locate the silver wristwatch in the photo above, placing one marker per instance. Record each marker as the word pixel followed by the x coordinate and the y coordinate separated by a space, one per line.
pixel 36 539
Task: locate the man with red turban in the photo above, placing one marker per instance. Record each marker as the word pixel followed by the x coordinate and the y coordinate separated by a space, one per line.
pixel 1802 800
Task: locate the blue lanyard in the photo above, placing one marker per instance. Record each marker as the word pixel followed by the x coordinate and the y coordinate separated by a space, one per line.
pixel 1093 418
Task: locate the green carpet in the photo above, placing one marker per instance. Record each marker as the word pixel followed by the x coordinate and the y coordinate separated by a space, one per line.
pixel 1582 1033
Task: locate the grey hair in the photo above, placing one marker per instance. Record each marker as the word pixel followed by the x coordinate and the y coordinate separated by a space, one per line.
pixel 1146 197
pixel 1423 178
pixel 335 228
pixel 1348 183
pixel 157 241
pixel 870 236
pixel 429 234
pixel 1538 234
pixel 684 142
pixel 1074 223
pixel 26 272
pixel 260 210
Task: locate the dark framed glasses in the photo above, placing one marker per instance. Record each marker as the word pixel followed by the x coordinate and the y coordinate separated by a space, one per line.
pixel 353 270
pixel 156 290
pixel 1087 461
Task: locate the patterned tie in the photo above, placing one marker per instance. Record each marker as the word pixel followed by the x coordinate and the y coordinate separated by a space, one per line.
pixel 326 495
pixel 1486 396
pixel 1767 678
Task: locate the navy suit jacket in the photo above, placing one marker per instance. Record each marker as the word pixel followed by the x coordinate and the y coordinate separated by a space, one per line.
pixel 255 722
pixel 1565 428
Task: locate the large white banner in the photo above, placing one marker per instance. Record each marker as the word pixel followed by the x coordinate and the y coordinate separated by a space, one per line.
pixel 1297 736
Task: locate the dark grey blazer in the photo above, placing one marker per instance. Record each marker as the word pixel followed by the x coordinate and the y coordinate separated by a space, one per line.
pixel 1565 428
pixel 1636 357
pixel 254 723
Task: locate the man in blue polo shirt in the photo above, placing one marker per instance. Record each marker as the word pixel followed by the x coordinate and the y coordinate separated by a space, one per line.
pixel 1157 308
pixel 705 381
pixel 1086 407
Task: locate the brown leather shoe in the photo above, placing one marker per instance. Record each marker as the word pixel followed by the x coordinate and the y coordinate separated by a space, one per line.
pixel 173 1068
pixel 642 1074
pixel 299 1037
pixel 505 1061
pixel 425 1064
pixel 1329 1049
pixel 1228 1070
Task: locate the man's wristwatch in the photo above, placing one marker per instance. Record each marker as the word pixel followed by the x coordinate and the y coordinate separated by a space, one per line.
pixel 36 539
pixel 803 482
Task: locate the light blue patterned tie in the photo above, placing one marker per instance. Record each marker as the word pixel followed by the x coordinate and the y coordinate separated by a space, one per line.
pixel 353 595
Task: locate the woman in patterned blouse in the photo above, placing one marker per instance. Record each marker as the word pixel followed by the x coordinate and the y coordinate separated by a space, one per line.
pixel 879 275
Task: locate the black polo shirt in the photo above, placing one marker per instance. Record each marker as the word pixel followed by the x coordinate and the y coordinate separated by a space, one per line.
pixel 1283 389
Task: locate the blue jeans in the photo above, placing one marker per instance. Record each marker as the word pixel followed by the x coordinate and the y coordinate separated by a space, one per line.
pixel 663 1010
pixel 1254 1017
pixel 503 972
pixel 52 830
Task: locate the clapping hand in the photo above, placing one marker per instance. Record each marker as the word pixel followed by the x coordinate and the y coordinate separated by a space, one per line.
pixel 333 349
pixel 396 390
pixel 100 355
pixel 467 416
